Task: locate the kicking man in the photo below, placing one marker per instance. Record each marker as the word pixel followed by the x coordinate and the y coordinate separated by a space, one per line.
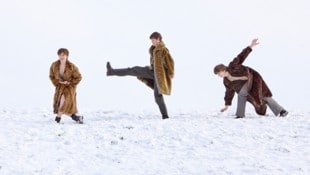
pixel 157 76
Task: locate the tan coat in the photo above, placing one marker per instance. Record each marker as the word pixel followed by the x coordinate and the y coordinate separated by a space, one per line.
pixel 163 66
pixel 71 75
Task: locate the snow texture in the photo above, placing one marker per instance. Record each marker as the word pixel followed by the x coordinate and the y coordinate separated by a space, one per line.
pixel 114 142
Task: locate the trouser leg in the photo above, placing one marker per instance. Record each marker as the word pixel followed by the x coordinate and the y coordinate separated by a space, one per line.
pixel 160 102
pixel 143 72
pixel 273 105
pixel 242 99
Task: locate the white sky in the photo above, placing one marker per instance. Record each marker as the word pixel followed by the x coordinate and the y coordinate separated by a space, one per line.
pixel 198 33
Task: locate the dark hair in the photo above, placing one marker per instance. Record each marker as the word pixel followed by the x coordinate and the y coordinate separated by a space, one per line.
pixel 63 51
pixel 219 68
pixel 156 35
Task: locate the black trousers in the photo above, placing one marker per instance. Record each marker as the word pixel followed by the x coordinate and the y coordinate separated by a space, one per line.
pixel 144 72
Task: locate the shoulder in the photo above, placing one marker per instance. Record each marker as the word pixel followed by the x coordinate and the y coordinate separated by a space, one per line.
pixel 161 48
pixel 55 63
pixel 70 64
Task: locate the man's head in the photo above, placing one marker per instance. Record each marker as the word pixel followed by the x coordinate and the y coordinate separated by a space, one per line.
pixel 63 54
pixel 156 38
pixel 220 70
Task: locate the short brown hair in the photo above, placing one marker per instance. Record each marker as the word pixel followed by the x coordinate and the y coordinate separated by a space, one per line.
pixel 156 35
pixel 219 68
pixel 63 51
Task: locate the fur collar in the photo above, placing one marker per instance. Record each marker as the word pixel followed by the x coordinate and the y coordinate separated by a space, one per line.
pixel 160 46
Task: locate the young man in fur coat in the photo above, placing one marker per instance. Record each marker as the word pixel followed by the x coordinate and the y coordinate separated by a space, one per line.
pixel 65 76
pixel 157 76
pixel 249 86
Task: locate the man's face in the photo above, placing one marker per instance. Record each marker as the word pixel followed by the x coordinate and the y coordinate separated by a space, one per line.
pixel 155 42
pixel 221 74
pixel 62 57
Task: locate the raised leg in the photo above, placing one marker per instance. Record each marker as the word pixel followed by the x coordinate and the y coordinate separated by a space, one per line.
pixel 137 71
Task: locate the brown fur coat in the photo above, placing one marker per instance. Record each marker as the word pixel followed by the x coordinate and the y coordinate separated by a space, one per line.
pixel 71 75
pixel 257 88
pixel 163 66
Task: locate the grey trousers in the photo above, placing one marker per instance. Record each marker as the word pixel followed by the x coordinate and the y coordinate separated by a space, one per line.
pixel 242 99
pixel 144 72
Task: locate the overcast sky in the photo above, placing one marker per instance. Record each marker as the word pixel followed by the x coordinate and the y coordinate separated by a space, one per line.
pixel 198 33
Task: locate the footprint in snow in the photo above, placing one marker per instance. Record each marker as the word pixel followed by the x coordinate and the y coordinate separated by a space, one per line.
pixel 129 127
pixel 113 142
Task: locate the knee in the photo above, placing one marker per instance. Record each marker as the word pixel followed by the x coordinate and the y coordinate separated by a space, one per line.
pixel 62 99
pixel 242 94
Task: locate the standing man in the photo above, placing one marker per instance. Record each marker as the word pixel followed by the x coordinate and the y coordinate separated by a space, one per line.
pixel 65 76
pixel 249 85
pixel 157 76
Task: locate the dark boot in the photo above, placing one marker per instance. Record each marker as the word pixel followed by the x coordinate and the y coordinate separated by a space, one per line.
pixel 238 117
pixel 57 119
pixel 165 117
pixel 109 69
pixel 283 113
pixel 77 118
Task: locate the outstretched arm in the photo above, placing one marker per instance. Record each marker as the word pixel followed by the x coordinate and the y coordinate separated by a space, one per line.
pixel 244 54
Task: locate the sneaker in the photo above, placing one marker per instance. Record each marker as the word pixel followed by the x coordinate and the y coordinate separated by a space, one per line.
pixel 57 119
pixel 77 118
pixel 283 113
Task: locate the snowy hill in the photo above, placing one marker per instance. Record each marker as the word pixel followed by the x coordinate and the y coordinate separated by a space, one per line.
pixel 199 34
pixel 112 142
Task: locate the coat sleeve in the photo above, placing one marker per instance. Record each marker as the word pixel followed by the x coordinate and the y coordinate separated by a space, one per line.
pixel 76 76
pixel 229 94
pixel 52 76
pixel 169 64
pixel 241 57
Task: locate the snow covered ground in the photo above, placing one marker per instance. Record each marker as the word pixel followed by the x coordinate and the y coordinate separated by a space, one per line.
pixel 114 142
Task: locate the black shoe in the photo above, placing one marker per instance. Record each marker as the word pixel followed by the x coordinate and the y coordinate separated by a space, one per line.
pixel 238 117
pixel 109 69
pixel 77 118
pixel 57 119
pixel 283 113
pixel 165 117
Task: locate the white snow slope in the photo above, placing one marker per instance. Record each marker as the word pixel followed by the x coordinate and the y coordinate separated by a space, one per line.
pixel 112 142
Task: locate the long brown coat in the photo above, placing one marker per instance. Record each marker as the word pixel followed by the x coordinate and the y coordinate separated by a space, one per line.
pixel 71 75
pixel 163 65
pixel 257 88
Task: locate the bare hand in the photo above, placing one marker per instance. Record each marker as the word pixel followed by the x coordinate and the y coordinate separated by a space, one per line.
pixel 64 82
pixel 254 43
pixel 224 109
